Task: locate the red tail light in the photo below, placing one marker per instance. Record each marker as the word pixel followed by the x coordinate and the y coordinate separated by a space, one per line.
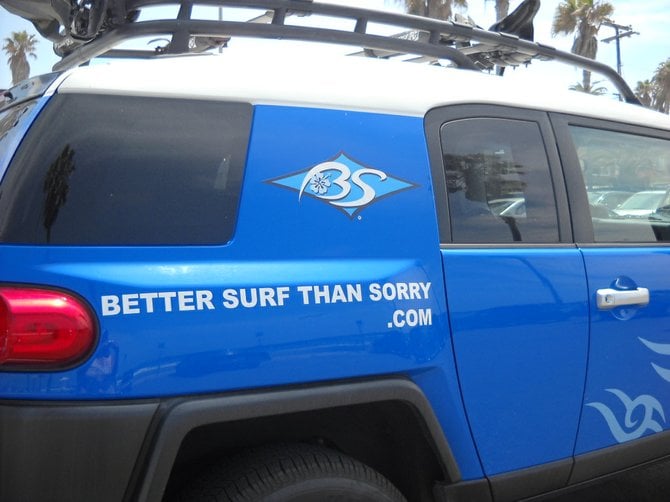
pixel 43 328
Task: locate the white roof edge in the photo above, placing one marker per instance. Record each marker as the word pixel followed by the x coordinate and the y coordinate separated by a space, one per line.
pixel 347 83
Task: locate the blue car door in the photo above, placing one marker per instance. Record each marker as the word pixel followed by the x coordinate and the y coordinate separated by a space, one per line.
pixel 627 259
pixel 516 286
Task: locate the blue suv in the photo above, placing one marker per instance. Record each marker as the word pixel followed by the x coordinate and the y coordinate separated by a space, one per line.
pixel 232 277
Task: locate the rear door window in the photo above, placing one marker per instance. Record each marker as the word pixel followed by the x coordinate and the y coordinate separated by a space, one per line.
pixel 120 170
pixel 498 182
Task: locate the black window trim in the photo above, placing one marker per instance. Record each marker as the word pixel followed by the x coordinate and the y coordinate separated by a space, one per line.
pixel 576 190
pixel 437 117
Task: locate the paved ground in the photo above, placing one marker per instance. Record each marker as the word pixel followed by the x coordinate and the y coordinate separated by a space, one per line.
pixel 648 484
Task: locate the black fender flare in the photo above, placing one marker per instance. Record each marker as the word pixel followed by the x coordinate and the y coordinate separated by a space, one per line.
pixel 176 418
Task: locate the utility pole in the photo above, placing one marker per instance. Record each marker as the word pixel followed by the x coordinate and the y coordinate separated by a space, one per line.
pixel 620 31
pixel 220 19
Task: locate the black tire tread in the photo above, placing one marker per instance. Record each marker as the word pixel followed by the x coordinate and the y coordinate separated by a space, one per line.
pixel 256 473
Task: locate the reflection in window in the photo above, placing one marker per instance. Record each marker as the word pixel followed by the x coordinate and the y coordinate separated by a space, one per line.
pixel 627 178
pixel 498 182
pixel 56 186
pixel 12 120
pixel 125 170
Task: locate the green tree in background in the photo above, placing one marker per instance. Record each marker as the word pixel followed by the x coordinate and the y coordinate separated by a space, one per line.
pixel 596 91
pixel 437 9
pixel 502 9
pixel 443 9
pixel 655 93
pixel 583 18
pixel 19 47
pixel 644 90
pixel 661 81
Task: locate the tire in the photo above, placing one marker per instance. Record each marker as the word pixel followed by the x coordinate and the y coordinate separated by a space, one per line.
pixel 291 472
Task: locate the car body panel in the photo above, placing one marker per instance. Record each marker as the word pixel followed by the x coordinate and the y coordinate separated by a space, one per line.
pixel 184 349
pixel 627 385
pixel 520 330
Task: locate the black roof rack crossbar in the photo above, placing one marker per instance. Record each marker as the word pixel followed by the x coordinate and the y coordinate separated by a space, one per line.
pixel 464 45
pixel 203 28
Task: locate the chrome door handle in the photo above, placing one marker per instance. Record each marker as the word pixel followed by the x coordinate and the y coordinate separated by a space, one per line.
pixel 610 298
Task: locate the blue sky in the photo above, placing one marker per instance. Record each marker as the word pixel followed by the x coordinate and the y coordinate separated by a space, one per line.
pixel 641 54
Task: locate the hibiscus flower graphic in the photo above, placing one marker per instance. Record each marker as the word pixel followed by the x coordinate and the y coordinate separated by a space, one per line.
pixel 320 183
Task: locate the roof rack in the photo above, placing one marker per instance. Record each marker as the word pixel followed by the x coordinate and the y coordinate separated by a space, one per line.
pixel 465 46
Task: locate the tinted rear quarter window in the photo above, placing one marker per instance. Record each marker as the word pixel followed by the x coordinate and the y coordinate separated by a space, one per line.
pixel 120 170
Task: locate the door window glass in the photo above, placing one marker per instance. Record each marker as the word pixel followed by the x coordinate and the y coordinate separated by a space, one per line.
pixel 498 182
pixel 627 179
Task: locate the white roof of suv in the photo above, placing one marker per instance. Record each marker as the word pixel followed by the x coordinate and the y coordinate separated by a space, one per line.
pixel 342 82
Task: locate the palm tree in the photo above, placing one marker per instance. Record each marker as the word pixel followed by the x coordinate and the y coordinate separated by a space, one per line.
pixel 583 18
pixel 592 89
pixel 18 47
pixel 645 91
pixel 661 81
pixel 502 9
pixel 437 9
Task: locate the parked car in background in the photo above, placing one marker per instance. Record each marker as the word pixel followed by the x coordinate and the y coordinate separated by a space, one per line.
pixel 609 198
pixel 642 204
pixel 499 205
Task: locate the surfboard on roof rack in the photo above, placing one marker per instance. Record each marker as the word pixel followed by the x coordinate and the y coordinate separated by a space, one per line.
pixel 85 29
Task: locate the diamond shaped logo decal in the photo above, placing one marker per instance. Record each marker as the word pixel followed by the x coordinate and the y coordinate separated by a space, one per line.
pixel 343 183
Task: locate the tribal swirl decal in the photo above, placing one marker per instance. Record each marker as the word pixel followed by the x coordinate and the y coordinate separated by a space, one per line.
pixel 633 428
pixel 662 349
